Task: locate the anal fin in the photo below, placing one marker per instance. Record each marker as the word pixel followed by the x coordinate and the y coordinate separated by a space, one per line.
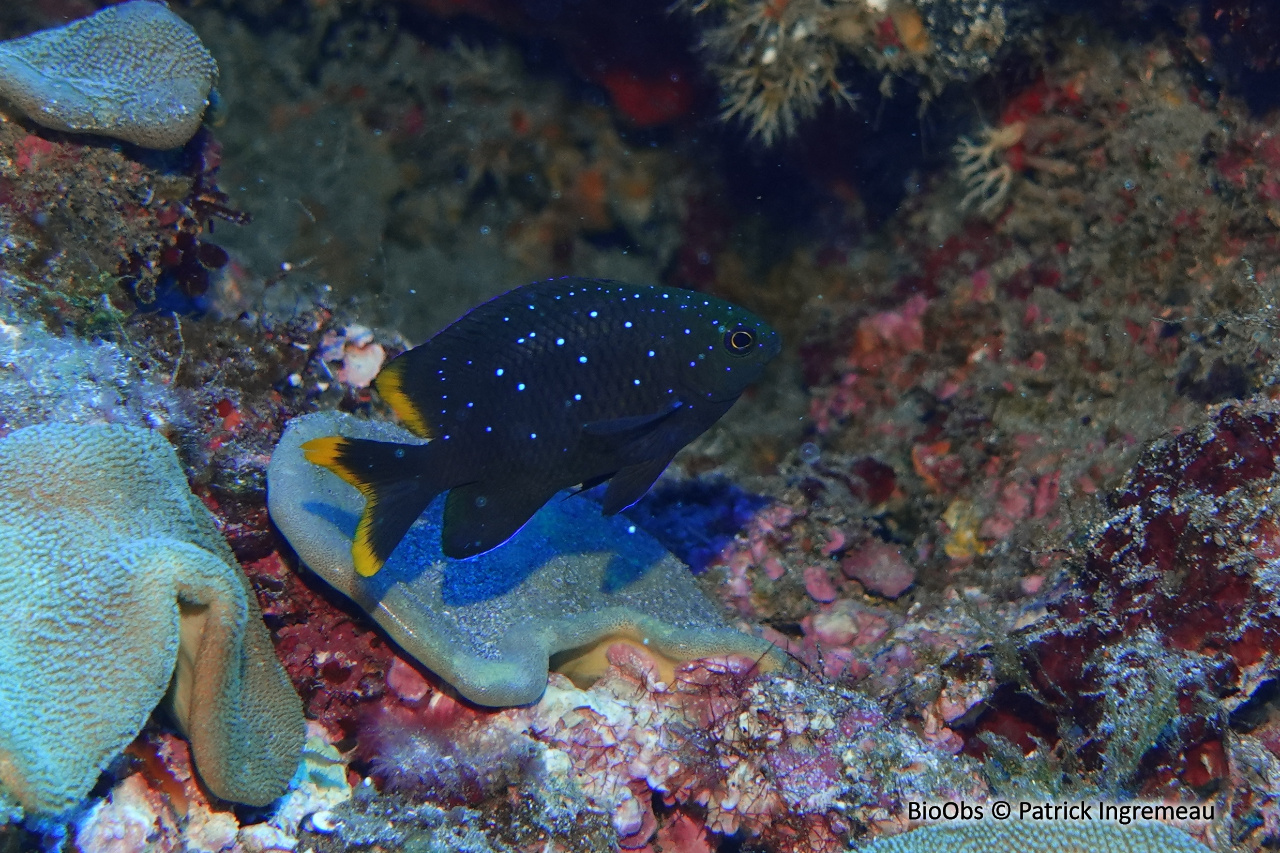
pixel 481 516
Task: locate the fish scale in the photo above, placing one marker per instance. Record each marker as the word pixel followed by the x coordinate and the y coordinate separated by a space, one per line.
pixel 557 383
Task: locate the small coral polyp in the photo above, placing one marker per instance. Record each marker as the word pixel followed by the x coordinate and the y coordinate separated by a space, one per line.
pixel 1028 142
pixel 985 167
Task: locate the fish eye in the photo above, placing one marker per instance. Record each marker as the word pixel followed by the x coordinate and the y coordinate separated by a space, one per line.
pixel 739 341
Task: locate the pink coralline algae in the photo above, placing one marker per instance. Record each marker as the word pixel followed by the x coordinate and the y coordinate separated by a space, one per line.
pixel 337 665
pixel 880 568
pixel 876 367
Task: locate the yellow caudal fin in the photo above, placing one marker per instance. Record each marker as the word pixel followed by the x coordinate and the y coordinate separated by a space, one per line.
pixel 395 480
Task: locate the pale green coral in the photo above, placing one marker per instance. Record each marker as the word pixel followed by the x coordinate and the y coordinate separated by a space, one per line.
pixel 1015 836
pixel 116 590
pixel 135 72
pixel 489 625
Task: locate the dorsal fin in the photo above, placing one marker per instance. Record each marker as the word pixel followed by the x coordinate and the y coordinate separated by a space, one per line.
pixel 390 383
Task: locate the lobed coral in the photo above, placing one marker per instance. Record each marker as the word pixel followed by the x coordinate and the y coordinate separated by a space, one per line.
pixel 110 557
pixel 566 583
pixel 135 72
pixel 1017 836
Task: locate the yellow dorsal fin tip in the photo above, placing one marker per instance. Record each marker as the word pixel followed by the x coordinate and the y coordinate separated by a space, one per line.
pixel 323 451
pixel 389 383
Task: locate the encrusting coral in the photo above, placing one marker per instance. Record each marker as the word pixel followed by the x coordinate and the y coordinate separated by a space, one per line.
pixel 44 377
pixel 135 72
pixel 1016 836
pixel 560 589
pixel 116 590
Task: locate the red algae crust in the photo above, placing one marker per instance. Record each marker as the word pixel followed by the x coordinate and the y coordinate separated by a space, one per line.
pixel 1172 618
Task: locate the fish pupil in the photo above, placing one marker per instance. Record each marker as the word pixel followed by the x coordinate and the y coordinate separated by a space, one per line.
pixel 739 340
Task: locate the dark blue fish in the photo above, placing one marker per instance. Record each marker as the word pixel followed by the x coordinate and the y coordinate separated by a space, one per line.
pixel 557 383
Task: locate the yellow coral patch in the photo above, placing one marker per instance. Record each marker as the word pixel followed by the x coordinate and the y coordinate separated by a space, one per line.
pixel 911 30
pixel 586 664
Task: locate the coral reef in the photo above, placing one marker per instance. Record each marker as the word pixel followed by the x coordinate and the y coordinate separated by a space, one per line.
pixel 567 583
pixel 135 72
pixel 732 751
pixel 159 806
pixel 1006 503
pixel 151 247
pixel 722 750
pixel 108 557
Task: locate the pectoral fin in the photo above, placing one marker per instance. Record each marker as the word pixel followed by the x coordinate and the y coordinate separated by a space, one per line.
pixel 631 424
pixel 629 485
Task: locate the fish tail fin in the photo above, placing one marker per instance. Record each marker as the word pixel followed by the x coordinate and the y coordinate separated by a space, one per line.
pixel 397 484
